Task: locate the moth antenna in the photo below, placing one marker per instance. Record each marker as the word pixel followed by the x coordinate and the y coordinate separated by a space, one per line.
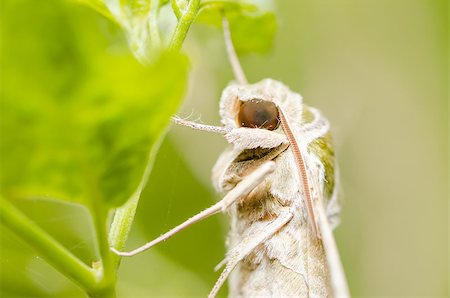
pixel 231 52
pixel 300 163
pixel 200 126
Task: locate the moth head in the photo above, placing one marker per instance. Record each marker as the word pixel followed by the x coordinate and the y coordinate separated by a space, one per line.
pixel 258 113
pixel 251 113
pixel 252 118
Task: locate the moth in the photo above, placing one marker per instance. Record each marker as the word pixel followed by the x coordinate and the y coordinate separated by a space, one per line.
pixel 280 180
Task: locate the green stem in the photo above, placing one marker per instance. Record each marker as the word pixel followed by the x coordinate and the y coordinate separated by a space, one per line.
pixel 107 270
pixel 183 25
pixel 176 9
pixel 50 249
pixel 121 225
pixel 124 216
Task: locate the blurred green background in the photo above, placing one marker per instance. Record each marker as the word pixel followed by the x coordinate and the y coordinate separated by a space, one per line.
pixel 376 68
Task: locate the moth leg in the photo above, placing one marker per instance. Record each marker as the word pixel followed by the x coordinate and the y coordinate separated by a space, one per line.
pixel 247 245
pixel 240 190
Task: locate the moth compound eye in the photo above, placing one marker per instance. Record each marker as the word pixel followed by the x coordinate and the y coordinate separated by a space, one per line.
pixel 258 113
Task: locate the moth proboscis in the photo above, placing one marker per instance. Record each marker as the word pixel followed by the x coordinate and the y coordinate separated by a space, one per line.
pixel 281 183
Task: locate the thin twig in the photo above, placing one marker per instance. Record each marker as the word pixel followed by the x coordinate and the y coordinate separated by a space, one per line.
pixel 232 56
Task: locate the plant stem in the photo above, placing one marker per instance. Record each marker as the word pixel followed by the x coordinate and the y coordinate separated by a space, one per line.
pixel 50 249
pixel 107 271
pixel 176 9
pixel 183 25
pixel 121 225
pixel 124 216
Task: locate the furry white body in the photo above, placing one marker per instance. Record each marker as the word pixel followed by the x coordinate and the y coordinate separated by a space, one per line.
pixel 290 261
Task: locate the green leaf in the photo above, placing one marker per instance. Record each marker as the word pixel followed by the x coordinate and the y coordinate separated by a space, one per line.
pixel 253 33
pixel 135 19
pixel 99 6
pixel 252 23
pixel 238 5
pixel 79 113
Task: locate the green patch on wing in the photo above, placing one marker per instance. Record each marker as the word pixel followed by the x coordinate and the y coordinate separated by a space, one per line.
pixel 307 115
pixel 322 147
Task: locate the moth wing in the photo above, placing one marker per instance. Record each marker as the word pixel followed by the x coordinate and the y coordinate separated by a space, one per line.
pixel 324 179
pixel 320 148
